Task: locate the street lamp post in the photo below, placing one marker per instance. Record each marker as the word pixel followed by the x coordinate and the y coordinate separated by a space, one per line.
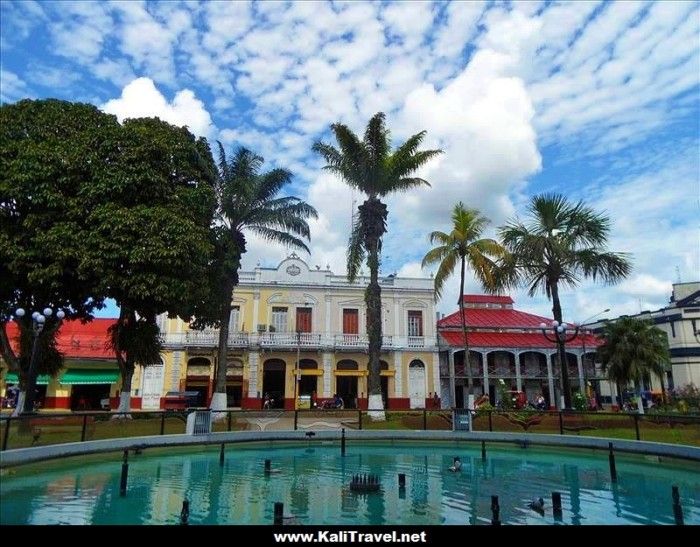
pixel 38 322
pixel 560 337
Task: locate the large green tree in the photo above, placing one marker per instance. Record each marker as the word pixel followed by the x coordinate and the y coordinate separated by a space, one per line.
pixel 248 201
pixel 51 151
pixel 149 238
pixel 560 244
pixel 632 350
pixel 463 245
pixel 370 166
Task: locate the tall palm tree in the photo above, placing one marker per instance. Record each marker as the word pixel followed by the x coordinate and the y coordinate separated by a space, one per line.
pixel 370 166
pixel 248 201
pixel 465 246
pixel 561 244
pixel 632 350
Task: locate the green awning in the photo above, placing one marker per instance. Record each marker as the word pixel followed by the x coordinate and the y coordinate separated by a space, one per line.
pixel 42 380
pixel 86 376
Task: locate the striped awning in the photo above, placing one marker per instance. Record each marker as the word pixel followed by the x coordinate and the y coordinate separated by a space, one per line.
pixel 42 379
pixel 76 376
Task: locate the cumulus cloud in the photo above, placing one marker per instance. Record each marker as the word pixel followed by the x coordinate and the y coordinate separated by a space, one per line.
pixel 140 98
pixel 12 87
pixel 497 85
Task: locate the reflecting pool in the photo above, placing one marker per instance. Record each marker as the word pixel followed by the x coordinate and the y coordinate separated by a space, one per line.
pixel 312 481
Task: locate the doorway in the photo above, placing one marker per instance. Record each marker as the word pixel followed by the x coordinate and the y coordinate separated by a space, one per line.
pixel 346 388
pixel 89 397
pixel 416 379
pixel 274 372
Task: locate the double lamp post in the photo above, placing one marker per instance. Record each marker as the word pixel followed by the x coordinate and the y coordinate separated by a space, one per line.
pixel 38 323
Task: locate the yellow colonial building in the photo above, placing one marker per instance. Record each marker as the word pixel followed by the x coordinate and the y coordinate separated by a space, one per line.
pixel 299 333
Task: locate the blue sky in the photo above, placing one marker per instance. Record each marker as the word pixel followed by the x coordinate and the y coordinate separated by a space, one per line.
pixel 598 100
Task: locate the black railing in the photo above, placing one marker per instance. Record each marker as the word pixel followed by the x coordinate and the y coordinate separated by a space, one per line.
pixel 56 428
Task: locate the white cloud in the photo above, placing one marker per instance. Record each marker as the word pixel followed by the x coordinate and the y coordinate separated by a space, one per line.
pixel 646 285
pixel 80 29
pixel 140 98
pixel 12 87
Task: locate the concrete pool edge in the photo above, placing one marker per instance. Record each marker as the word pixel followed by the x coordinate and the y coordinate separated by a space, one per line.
pixel 21 456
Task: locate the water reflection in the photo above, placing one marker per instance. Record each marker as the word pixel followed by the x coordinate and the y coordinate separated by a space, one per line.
pixel 313 485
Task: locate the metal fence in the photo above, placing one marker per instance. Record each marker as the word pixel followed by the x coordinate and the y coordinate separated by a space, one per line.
pixel 56 428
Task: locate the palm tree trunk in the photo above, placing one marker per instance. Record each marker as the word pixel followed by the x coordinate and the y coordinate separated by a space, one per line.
pixel 373 300
pixel 218 400
pixel 563 364
pixel 463 311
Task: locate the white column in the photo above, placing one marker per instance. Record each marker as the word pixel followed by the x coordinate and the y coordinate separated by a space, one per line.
pixel 550 379
pixel 256 306
pixel 485 365
pixel 253 364
pixel 613 393
pixel 436 373
pixel 398 374
pixel 397 323
pixel 327 374
pixel 451 366
pixel 518 377
pixel 175 370
pixel 327 329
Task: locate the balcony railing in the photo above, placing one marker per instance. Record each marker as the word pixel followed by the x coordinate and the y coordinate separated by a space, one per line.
pixel 210 338
pixel 351 341
pixel 289 339
pixel 416 342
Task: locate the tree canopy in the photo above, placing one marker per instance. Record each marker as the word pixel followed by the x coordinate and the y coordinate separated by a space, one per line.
pixel 93 209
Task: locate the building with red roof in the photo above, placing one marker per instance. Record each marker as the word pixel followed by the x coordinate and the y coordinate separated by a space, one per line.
pixel 90 375
pixel 508 344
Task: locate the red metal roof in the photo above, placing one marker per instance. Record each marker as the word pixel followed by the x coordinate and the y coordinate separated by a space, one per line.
pixel 512 340
pixel 486 299
pixel 495 319
pixel 77 340
pixel 489 317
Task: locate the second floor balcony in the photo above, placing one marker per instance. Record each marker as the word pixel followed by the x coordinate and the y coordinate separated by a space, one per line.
pixel 209 338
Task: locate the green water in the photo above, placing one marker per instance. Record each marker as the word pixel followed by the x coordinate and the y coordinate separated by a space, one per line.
pixel 312 482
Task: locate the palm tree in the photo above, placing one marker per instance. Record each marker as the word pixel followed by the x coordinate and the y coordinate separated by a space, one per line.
pixel 248 201
pixel 370 166
pixel 561 244
pixel 464 245
pixel 632 350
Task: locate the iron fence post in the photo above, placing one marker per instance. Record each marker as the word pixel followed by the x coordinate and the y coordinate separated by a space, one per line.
pixel 82 433
pixel 7 432
pixel 490 420
pixel 636 425
pixel 296 419
pixel 561 423
pixel 425 419
pixel 162 423
pixel 359 418
pixel 229 420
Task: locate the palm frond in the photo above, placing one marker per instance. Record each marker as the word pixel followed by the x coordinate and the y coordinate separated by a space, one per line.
pixel 278 236
pixel 356 251
pixel 445 270
pixel 377 142
pixel 609 267
pixel 436 255
pixel 439 237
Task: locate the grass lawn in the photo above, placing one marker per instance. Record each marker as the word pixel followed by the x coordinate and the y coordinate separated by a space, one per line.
pixel 44 430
